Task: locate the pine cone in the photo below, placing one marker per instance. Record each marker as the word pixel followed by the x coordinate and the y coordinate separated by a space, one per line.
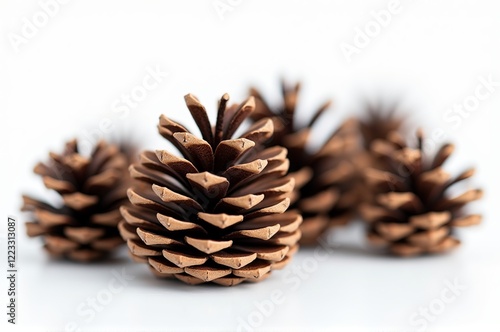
pixel 378 123
pixel 414 213
pixel 377 126
pixel 216 214
pixel 84 227
pixel 324 192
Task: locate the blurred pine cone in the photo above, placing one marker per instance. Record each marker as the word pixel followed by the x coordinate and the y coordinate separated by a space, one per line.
pixel 378 125
pixel 84 226
pixel 414 212
pixel 324 192
pixel 216 214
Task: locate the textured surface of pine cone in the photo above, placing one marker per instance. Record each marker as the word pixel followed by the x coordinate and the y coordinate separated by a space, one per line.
pixel 324 192
pixel 217 213
pixel 377 126
pixel 92 189
pixel 414 211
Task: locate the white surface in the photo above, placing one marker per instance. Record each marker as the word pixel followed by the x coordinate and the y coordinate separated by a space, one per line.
pixel 66 79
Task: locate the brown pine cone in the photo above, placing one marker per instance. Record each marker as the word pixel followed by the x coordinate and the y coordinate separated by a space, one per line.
pixel 84 226
pixel 377 126
pixel 325 193
pixel 378 123
pixel 413 212
pixel 216 214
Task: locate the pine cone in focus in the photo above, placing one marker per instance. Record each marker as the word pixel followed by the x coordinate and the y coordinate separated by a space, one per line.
pixel 414 212
pixel 324 192
pixel 216 214
pixel 84 227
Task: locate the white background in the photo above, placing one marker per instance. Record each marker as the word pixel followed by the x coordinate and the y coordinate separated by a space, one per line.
pixel 66 78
